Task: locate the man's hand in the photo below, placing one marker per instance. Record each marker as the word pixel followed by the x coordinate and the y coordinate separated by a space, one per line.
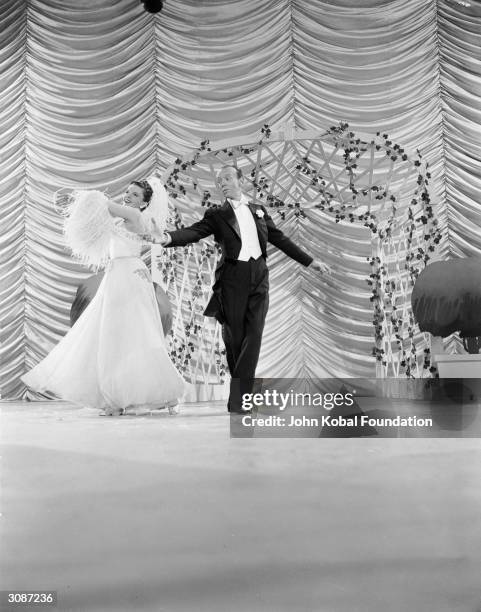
pixel 165 239
pixel 321 267
pixel 158 236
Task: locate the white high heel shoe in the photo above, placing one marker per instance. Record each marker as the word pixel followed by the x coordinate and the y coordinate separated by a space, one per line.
pixel 113 411
pixel 173 407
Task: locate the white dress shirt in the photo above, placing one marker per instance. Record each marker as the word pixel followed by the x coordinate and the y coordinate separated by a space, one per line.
pixel 248 230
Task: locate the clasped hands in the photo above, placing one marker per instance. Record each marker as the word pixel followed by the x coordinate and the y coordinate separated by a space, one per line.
pixel 157 236
pixel 163 238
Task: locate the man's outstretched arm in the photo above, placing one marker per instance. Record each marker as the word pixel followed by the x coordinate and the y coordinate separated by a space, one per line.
pixel 195 232
pixel 281 241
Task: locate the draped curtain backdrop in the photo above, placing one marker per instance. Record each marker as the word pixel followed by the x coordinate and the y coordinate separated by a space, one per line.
pixel 96 94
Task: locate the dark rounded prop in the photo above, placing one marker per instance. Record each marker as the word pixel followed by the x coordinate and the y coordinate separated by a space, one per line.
pixel 447 297
pixel 88 289
pixel 153 6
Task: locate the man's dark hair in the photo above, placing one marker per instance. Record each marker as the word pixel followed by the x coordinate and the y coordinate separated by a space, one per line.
pixel 238 171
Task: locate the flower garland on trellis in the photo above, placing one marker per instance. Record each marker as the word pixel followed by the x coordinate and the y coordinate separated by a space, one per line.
pixel 420 216
pixel 416 258
pixel 182 351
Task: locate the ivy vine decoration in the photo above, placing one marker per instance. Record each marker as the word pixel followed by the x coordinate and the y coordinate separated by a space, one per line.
pixel 178 177
pixel 182 352
pixel 419 221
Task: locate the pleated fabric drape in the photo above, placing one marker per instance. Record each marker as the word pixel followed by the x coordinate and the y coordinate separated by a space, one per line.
pixel 97 94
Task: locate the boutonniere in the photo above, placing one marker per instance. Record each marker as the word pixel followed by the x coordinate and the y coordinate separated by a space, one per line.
pixel 260 213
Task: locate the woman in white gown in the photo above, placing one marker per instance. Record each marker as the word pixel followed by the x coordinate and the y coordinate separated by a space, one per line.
pixel 115 356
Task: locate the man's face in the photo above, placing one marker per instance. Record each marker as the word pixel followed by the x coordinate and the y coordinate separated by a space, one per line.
pixel 230 183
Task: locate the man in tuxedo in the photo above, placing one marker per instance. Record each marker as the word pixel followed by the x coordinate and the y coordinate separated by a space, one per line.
pixel 241 291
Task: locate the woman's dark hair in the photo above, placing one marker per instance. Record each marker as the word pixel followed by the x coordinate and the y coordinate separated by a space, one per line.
pixel 146 188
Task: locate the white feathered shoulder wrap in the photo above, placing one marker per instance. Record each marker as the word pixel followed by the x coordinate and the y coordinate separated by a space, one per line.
pixel 88 227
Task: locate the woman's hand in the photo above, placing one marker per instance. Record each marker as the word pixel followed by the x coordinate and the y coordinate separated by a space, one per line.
pixel 62 200
pixel 157 233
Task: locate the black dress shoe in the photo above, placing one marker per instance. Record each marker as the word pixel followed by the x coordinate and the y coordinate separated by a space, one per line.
pixel 239 429
pixel 238 411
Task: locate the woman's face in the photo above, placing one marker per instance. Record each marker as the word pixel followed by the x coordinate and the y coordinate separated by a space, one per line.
pixel 134 196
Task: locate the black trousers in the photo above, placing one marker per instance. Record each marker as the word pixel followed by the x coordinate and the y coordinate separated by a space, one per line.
pixel 245 300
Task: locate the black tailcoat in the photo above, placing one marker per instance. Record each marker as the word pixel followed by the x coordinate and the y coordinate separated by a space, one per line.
pixel 221 222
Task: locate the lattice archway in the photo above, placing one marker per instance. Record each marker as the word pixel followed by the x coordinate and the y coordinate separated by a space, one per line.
pixel 367 182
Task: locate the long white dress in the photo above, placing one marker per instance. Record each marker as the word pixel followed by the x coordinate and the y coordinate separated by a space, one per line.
pixel 115 356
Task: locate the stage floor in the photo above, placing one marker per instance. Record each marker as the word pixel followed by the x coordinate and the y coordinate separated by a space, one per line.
pixel 167 513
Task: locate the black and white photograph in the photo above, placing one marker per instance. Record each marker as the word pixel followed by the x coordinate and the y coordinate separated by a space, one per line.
pixel 240 305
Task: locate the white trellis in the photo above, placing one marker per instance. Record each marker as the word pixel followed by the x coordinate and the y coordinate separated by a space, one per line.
pixel 292 172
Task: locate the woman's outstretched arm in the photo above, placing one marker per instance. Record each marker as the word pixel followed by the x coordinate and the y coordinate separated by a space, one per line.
pixel 63 200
